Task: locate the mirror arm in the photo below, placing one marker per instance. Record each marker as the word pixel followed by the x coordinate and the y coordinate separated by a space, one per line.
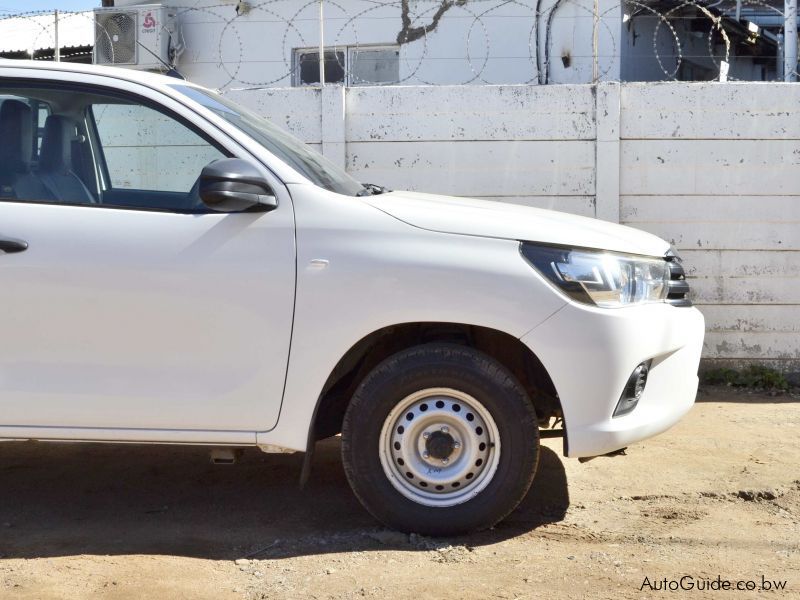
pixel 233 201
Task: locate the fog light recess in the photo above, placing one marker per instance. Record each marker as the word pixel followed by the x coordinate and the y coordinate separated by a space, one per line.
pixel 634 389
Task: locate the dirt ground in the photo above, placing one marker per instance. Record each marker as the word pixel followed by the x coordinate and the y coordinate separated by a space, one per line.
pixel 717 496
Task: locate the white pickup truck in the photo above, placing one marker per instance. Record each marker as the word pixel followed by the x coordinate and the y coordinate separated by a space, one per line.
pixel 175 269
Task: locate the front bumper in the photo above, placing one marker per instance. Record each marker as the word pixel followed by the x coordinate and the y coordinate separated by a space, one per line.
pixel 590 353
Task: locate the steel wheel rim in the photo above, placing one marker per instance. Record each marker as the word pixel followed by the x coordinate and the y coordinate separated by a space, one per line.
pixel 439 447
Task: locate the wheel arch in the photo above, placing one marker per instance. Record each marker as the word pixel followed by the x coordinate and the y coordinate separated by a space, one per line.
pixel 373 348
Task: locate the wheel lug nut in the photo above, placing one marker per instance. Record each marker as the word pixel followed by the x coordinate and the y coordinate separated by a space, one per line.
pixel 426 435
pixel 456 444
pixel 425 455
pixel 445 461
pixel 445 429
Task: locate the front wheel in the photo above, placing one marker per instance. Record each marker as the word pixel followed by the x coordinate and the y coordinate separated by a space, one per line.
pixel 440 439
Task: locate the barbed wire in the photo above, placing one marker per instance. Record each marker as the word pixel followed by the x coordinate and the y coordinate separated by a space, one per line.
pixel 467 41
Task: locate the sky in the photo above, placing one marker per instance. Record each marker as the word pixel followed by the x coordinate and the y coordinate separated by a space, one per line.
pixel 8 7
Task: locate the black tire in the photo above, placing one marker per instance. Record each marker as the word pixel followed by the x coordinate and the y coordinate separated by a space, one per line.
pixel 440 365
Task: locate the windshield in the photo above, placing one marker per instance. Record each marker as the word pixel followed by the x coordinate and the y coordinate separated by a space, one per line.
pixel 292 151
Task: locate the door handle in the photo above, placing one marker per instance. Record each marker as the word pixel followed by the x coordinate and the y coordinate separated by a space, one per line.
pixel 11 246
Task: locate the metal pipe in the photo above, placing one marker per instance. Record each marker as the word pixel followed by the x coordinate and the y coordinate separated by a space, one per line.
pixel 790 40
pixel 322 43
pixel 596 42
pixel 57 53
pixel 776 20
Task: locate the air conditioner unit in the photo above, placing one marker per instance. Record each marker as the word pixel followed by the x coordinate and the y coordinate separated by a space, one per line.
pixel 138 36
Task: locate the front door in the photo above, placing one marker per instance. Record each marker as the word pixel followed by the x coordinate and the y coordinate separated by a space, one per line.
pixel 132 307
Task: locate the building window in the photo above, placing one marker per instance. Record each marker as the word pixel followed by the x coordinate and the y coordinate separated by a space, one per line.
pixel 350 66
pixel 307 67
pixel 374 65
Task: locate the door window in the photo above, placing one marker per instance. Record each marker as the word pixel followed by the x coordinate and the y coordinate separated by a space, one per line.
pixel 66 144
pixel 147 150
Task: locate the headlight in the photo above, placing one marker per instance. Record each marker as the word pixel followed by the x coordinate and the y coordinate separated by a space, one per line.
pixel 606 279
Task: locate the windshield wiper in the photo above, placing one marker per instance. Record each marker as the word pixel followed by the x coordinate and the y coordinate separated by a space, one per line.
pixel 371 189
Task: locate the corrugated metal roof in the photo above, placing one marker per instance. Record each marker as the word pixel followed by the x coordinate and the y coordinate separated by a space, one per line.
pixel 33 32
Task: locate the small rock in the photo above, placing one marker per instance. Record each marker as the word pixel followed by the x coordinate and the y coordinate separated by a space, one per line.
pixel 330 571
pixel 570 557
pixel 752 496
pixel 599 556
pixel 241 562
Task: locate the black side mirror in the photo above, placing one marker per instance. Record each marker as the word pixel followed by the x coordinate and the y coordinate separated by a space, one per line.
pixel 235 185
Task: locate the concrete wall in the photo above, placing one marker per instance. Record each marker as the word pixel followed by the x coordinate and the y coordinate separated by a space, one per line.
pixel 714 168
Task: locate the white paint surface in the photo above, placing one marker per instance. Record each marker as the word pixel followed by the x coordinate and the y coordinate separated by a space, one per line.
pixel 714 168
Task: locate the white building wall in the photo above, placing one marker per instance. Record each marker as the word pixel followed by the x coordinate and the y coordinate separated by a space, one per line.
pixel 479 42
pixel 712 168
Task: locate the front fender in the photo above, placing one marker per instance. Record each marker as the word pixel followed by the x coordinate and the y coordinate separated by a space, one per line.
pixel 360 270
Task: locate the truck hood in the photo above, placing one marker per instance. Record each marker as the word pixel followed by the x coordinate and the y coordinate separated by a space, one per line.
pixel 487 218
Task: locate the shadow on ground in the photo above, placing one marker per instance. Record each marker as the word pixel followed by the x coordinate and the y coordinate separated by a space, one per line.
pixel 723 393
pixel 72 499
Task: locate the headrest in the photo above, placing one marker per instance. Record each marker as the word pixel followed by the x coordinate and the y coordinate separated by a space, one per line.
pixel 16 136
pixel 56 151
